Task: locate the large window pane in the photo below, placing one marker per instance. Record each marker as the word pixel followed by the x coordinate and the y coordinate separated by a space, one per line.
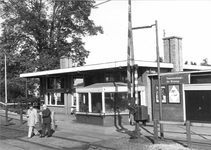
pixel 83 102
pixel 50 83
pixel 115 102
pixel 56 98
pixel 96 102
pixel 109 102
pixel 55 83
pixel 59 98
pixel 59 83
pixel 121 102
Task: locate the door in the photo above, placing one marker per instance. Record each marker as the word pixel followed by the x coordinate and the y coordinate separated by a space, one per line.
pixel 198 106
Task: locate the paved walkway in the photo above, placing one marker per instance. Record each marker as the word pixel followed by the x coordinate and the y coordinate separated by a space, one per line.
pixel 72 135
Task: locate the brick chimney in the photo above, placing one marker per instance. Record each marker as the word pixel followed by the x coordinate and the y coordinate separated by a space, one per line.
pixel 173 52
pixel 65 62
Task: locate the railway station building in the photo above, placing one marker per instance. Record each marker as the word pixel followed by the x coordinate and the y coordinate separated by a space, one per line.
pixel 102 97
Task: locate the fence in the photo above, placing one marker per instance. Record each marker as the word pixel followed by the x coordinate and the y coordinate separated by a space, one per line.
pixel 53 118
pixel 187 124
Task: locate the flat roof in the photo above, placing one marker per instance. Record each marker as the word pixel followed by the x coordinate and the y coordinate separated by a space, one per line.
pixel 196 67
pixel 106 87
pixel 182 72
pixel 95 67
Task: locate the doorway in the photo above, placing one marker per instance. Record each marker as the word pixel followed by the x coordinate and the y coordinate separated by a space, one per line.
pixel 198 105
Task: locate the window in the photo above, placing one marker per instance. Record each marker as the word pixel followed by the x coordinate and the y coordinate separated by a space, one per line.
pixel 83 102
pixel 59 83
pixel 123 76
pixel 174 94
pixel 116 102
pixel 112 76
pixel 109 77
pixel 55 83
pixel 55 98
pixel 96 102
pixel 50 83
pixel 200 79
pixel 163 94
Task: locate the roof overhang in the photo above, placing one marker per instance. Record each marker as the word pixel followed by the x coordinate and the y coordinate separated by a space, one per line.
pixel 184 72
pixel 196 67
pixel 110 65
pixel 106 87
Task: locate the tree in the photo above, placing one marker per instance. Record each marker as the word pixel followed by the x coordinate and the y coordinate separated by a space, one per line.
pixel 193 63
pixel 205 62
pixel 36 33
pixel 42 31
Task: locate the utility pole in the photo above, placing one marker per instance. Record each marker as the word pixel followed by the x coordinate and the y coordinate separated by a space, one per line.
pixel 159 84
pixel 131 70
pixel 158 71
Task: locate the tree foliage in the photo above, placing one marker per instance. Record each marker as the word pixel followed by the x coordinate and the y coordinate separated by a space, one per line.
pixel 205 62
pixel 191 63
pixel 36 33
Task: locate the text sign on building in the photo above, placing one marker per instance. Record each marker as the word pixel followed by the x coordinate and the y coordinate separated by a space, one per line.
pixel 175 79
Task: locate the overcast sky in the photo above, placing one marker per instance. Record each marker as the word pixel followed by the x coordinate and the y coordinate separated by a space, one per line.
pixel 187 19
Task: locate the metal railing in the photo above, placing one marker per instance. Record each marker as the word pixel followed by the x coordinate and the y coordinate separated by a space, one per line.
pixel 187 124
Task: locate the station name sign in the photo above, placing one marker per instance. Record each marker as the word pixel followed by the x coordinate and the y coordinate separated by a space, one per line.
pixel 175 79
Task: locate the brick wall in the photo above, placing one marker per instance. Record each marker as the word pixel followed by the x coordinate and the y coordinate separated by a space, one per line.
pixel 173 52
pixel 170 111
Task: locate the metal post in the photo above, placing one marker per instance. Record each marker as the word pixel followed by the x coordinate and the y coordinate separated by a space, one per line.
pixel 5 69
pixel 188 134
pixel 6 115
pixel 136 84
pixel 159 84
pixel 156 129
pixel 129 51
pixel 136 97
pixel 21 114
pixel 5 76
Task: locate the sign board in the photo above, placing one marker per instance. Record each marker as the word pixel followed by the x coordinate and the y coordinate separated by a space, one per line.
pixel 174 94
pixel 175 79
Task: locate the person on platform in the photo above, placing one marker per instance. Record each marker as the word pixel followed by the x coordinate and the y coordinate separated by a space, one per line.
pixel 46 116
pixel 31 121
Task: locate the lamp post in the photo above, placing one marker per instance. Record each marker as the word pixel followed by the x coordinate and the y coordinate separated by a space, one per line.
pixel 158 71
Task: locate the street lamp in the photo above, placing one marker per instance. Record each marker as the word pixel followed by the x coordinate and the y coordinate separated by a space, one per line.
pixel 158 71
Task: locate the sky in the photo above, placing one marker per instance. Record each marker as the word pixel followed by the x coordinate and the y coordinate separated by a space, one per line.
pixel 187 19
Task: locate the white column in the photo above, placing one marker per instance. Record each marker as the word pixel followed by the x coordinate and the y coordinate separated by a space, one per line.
pixel 56 97
pixel 184 104
pixel 46 99
pixel 90 102
pixel 72 99
pixel 65 103
pixel 103 102
pixel 143 98
pixel 70 103
pixel 50 98
pixel 77 102
pixel 84 99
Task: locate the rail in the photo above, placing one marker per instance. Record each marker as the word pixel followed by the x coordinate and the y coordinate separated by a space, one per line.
pixel 3 104
pixel 187 124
